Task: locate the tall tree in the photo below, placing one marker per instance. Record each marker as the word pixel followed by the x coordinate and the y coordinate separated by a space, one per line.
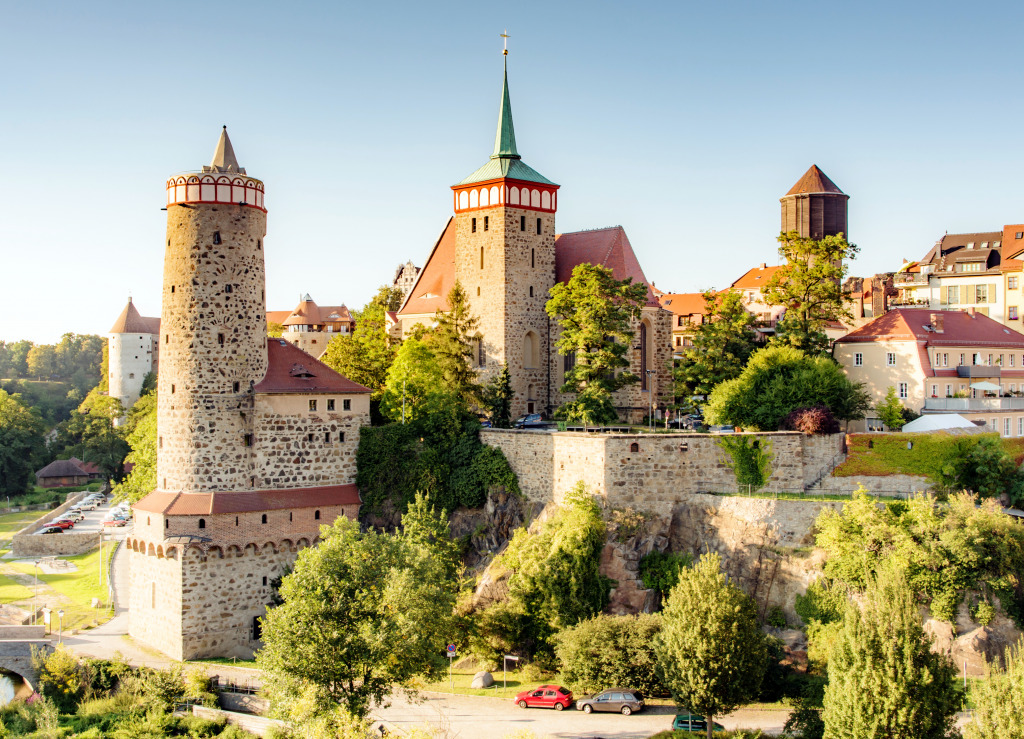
pixel 366 355
pixel 710 648
pixel 721 345
pixel 14 358
pixel 91 436
pixel 362 613
pixel 890 410
pixel 596 313
pixel 415 386
pixel 998 713
pixel 21 440
pixel 780 379
pixel 389 297
pixel 142 438
pixel 42 362
pixel 498 399
pixel 884 680
pixel 810 287
pixel 452 344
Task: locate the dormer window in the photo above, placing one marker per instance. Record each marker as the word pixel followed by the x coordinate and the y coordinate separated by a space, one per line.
pixel 299 370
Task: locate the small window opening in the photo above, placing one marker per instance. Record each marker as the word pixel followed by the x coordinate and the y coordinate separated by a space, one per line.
pixel 522 223
pixel 236 520
pixel 684 447
pixel 316 515
pixel 263 518
pixel 165 483
pixel 216 237
pixel 478 291
pixel 202 523
pixel 259 244
pixel 167 523
pixel 172 389
pixel 533 258
pixel 159 442
pixel 634 447
pixel 310 437
pixel 172 288
pixel 330 404
pixel 531 291
pixel 487 223
pixel 472 226
pixel 220 339
pixel 228 288
pixel 481 257
pixel 247 440
pixel 312 405
pixel 538 225
pixel 346 405
pixel 327 437
pixel 257 628
pixel 147 520
pixel 290 514
pixel 167 338
pixel 341 436
pixel 264 581
pixel 235 387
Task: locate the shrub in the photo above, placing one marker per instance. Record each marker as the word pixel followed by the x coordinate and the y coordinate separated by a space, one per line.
pixel 776 618
pixel 816 419
pixel 749 458
pixel 611 650
pixel 60 677
pixel 660 570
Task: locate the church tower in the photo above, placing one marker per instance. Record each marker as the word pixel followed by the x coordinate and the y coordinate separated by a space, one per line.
pixel 505 261
pixel 814 207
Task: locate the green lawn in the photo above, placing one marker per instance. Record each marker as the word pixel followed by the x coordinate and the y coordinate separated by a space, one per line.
pixel 463 678
pixel 79 587
pixel 11 591
pixel 12 523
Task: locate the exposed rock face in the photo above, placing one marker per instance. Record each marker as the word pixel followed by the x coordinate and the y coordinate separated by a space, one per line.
pixel 621 562
pixel 489 528
pixel 970 644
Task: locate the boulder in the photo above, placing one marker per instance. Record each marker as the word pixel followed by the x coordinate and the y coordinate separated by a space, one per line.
pixel 482 680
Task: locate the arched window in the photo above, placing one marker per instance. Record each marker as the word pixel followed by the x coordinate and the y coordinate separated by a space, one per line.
pixel 531 350
pixel 264 518
pixel 316 515
pixel 474 198
pixel 484 201
pixel 463 200
pixel 513 196
pixel 643 357
pixel 202 523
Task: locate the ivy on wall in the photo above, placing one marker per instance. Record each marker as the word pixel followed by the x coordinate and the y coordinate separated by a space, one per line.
pixel 750 458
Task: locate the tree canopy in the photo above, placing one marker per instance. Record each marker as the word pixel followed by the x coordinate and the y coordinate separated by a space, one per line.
pixel 366 355
pixel 780 379
pixel 721 345
pixel 710 648
pixel 141 437
pixel 415 386
pixel 91 436
pixel 810 287
pixel 452 342
pixel 890 410
pixel 21 442
pixel 595 314
pixel 498 399
pixel 362 613
pixel 884 680
pixel 997 710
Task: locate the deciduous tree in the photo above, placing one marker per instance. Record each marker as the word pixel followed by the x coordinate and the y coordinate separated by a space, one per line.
pixel 415 385
pixel 595 313
pixel 389 297
pixel 141 437
pixel 362 614
pixel 498 399
pixel 810 287
pixel 890 410
pixel 884 680
pixel 779 379
pixel 366 355
pixel 21 440
pixel 998 713
pixel 721 345
pixel 710 648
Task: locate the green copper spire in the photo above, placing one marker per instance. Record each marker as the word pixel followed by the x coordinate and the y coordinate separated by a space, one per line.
pixel 505 140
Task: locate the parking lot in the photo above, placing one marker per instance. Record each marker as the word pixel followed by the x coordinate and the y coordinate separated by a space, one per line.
pixel 92 523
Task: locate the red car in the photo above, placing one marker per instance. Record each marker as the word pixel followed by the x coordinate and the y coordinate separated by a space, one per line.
pixel 63 523
pixel 115 522
pixel 545 696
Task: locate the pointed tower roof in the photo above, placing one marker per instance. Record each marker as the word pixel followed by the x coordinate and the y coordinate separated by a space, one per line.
pixel 814 181
pixel 131 322
pixel 505 161
pixel 505 139
pixel 224 156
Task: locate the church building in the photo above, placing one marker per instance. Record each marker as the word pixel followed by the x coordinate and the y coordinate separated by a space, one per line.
pixel 502 246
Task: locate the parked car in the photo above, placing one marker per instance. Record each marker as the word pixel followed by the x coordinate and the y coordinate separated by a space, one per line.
pixel 86 506
pixel 52 530
pixel 64 519
pixel 725 429
pixel 530 421
pixel 693 722
pixel 61 524
pixel 615 700
pixel 115 522
pixel 545 696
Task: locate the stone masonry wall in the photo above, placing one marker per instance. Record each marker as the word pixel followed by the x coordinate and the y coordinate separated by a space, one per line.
pixel 877 485
pixel 514 261
pixel 306 450
pixel 662 470
pixel 154 610
pixel 212 335
pixel 26 543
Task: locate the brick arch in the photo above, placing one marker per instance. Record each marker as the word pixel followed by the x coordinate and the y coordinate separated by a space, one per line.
pixel 151 550
pixel 216 551
pixel 233 550
pixel 302 542
pixel 287 545
pixel 269 545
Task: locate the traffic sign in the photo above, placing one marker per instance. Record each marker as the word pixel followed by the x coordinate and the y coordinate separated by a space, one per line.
pixel 451 649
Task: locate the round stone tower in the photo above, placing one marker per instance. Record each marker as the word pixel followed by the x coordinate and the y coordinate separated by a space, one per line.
pixel 213 337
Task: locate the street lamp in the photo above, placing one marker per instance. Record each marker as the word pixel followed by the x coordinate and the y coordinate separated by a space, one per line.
pixel 60 632
pixel 35 590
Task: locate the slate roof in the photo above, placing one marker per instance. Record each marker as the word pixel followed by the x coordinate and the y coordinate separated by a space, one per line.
pixel 953 248
pixel 959 329
pixel 814 181
pixel 130 322
pixel 291 370
pixel 198 504
pixel 62 468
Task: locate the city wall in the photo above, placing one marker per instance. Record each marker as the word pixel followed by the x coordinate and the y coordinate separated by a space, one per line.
pixel 26 543
pixel 651 472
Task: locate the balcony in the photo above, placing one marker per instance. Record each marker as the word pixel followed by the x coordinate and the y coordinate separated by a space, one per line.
pixel 973 405
pixel 908 280
pixel 978 370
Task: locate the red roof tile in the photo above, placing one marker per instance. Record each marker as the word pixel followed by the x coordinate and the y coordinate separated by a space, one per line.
pixel 814 181
pixel 608 247
pixel 277 316
pixel 89 467
pixel 684 304
pixel 195 504
pixel 959 329
pixel 430 292
pixel 755 278
pixel 1011 265
pixel 291 370
pixel 130 322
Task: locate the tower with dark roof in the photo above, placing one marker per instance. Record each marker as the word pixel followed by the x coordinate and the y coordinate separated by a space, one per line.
pixel 815 207
pixel 256 439
pixel 505 260
pixel 132 352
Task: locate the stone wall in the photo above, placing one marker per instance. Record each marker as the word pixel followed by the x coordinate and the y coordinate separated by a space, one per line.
pixel 649 472
pixel 26 543
pixel 154 597
pixel 876 484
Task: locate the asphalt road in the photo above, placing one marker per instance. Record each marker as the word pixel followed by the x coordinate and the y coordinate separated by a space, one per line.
pixel 471 717
pixel 92 523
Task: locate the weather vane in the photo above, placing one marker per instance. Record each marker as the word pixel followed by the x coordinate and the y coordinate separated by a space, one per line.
pixel 506 37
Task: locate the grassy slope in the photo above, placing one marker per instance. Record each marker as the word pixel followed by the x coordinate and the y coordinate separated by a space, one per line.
pixel 887 454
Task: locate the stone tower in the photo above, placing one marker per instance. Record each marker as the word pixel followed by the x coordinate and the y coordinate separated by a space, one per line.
pixel 505 261
pixel 213 333
pixel 814 207
pixel 133 352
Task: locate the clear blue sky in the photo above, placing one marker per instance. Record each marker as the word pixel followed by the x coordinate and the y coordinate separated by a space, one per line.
pixel 682 121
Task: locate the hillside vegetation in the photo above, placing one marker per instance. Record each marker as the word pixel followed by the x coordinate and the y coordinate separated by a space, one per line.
pixel 887 454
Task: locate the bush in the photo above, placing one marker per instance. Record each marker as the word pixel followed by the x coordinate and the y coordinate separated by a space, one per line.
pixel 776 618
pixel 606 650
pixel 60 677
pixel 660 570
pixel 749 458
pixel 816 419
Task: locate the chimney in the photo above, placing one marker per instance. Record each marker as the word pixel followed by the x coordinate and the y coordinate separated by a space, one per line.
pixel 972 312
pixel 936 319
pixel 764 265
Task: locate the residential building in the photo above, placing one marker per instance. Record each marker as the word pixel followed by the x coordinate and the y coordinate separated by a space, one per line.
pixel 310 326
pixel 688 311
pixel 939 362
pixel 503 248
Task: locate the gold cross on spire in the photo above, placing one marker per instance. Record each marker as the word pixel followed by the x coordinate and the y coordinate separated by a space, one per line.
pixel 505 38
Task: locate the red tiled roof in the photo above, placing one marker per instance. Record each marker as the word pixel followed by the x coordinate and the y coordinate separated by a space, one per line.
pixel 959 329
pixel 433 283
pixel 89 467
pixel 757 277
pixel 277 316
pixel 814 181
pixel 62 468
pixel 1011 265
pixel 291 370
pixel 308 313
pixel 195 504
pixel 130 322
pixel 608 247
pixel 684 304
